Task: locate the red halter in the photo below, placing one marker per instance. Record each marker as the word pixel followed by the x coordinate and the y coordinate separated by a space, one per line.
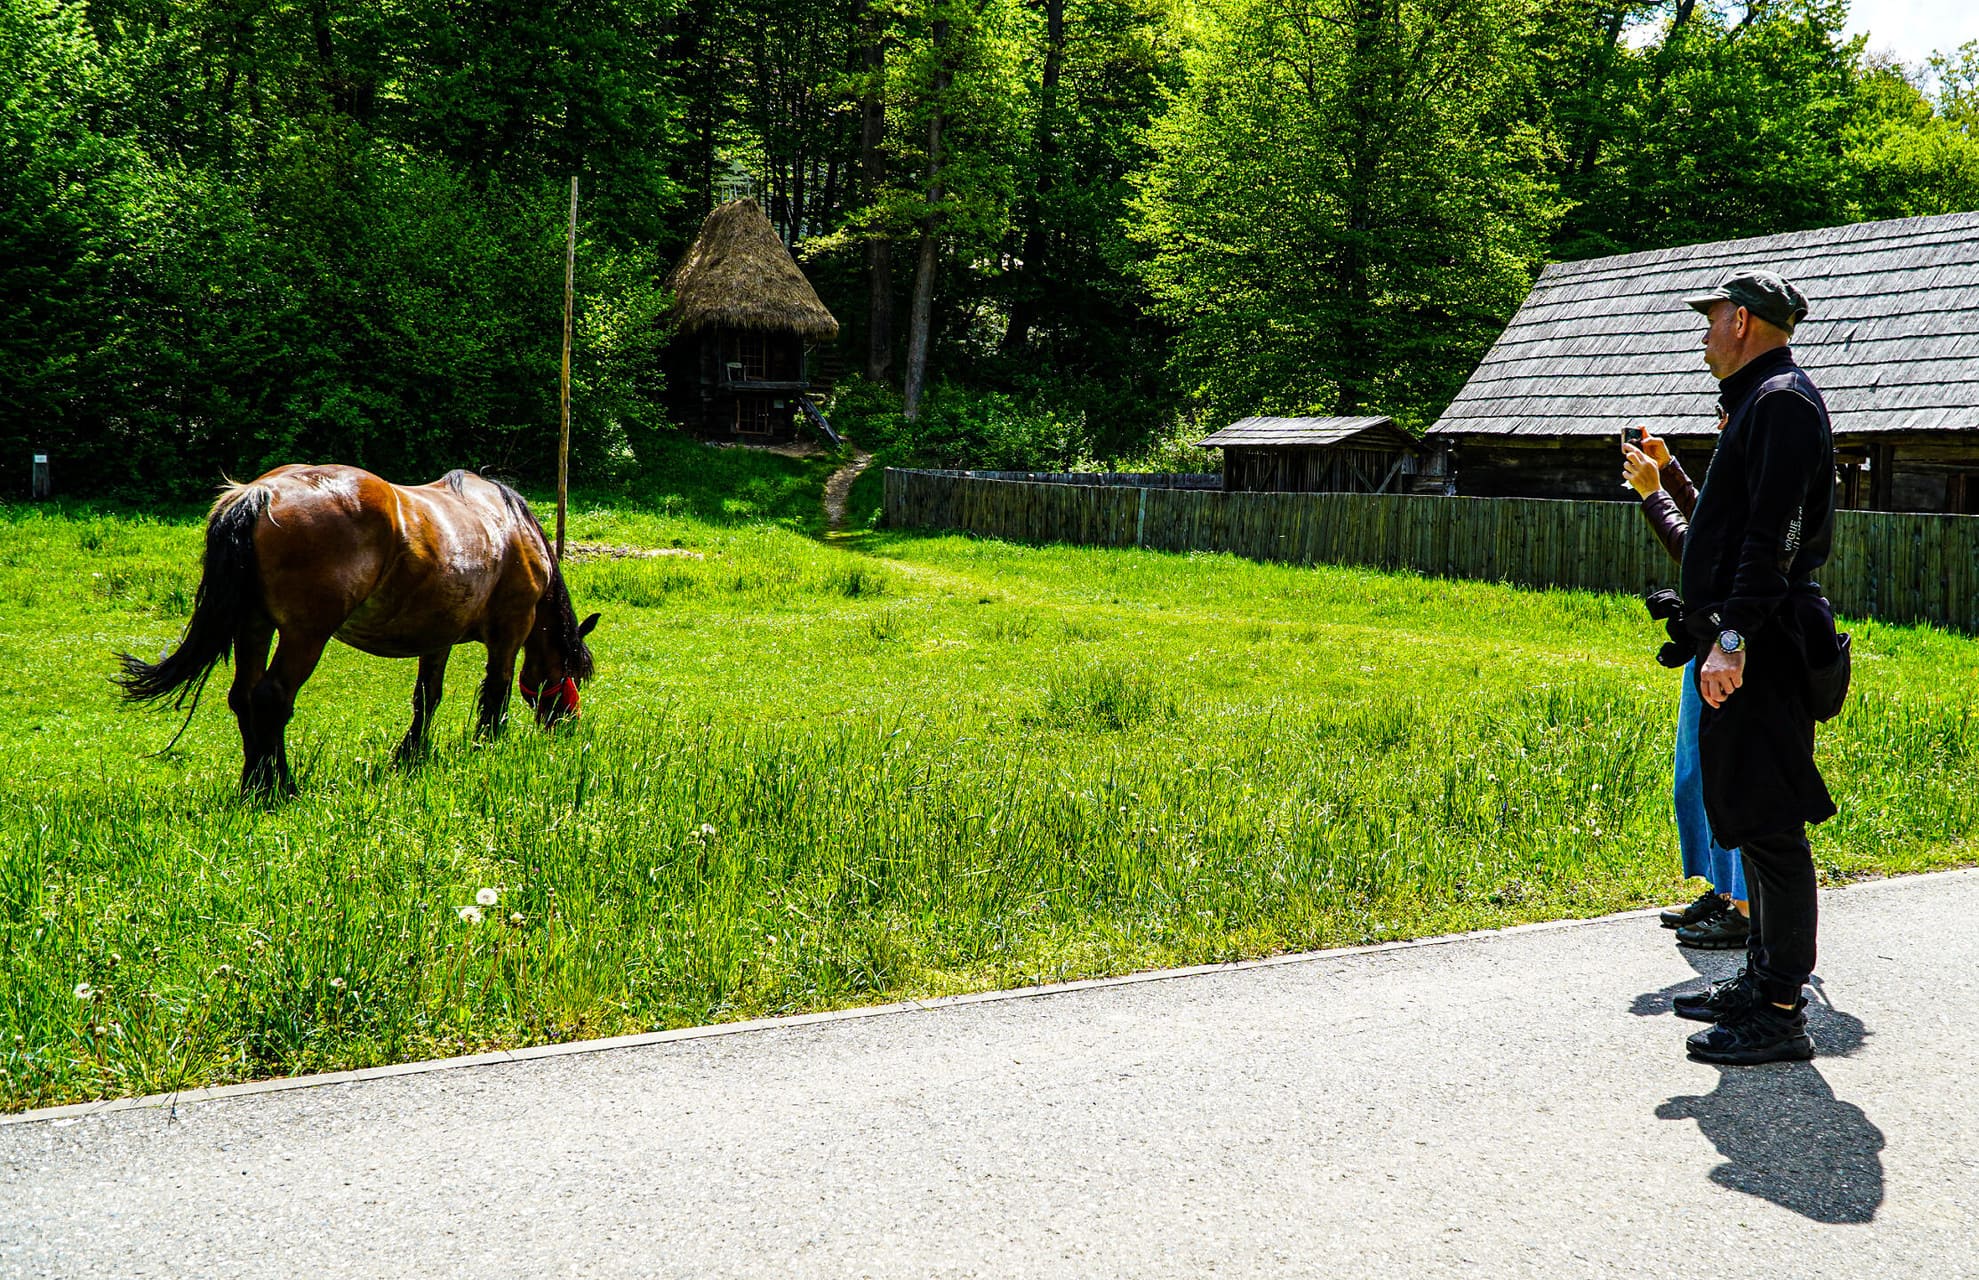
pixel 561 696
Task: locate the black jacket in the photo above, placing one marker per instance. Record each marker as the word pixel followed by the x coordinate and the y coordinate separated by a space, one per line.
pixel 1760 529
pixel 1766 514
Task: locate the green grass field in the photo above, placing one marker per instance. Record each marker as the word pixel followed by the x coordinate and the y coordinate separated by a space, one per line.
pixel 819 774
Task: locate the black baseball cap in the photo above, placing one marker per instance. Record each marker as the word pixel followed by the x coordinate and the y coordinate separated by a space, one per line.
pixel 1764 294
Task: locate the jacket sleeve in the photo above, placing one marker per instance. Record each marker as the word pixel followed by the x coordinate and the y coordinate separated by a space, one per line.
pixel 1676 482
pixel 1666 522
pixel 1782 456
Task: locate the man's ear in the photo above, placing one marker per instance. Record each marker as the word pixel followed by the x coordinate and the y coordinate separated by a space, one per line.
pixel 584 627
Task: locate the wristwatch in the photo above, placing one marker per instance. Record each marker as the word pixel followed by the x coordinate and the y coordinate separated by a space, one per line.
pixel 1730 641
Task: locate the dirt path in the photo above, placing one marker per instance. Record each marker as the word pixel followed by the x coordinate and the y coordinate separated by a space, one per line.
pixel 839 487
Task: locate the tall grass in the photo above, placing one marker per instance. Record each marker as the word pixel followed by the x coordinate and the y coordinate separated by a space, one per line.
pixel 811 776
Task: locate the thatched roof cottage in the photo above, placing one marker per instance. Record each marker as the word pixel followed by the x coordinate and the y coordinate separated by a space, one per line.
pixel 745 323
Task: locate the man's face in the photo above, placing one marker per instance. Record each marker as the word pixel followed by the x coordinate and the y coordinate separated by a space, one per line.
pixel 1724 337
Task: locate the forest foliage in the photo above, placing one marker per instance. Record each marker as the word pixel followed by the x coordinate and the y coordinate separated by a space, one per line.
pixel 240 232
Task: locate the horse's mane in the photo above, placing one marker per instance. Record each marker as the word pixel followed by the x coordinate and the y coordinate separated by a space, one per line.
pixel 563 614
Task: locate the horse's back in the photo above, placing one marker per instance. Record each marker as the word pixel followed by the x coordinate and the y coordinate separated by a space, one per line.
pixel 327 532
pixel 393 570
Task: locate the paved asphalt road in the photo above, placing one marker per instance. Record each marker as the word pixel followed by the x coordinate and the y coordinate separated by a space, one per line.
pixel 1501 1105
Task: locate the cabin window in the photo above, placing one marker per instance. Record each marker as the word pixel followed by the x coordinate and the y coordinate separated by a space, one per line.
pixel 754 416
pixel 1962 493
pixel 1851 492
pixel 749 360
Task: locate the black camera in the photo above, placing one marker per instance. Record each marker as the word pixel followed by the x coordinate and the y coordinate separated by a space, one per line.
pixel 1667 607
pixel 1664 604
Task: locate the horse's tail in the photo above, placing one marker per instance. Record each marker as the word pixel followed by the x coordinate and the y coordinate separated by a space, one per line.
pixel 229 592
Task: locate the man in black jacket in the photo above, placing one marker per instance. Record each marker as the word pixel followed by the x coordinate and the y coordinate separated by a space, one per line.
pixel 1761 528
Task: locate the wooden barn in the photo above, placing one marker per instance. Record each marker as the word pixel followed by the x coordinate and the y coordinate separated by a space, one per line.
pixel 746 322
pixel 1891 337
pixel 1316 455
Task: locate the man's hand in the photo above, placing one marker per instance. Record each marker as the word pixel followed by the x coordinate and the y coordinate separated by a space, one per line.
pixel 1721 675
pixel 1640 470
pixel 1659 453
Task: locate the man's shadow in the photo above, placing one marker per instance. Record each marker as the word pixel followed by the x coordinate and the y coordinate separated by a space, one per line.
pixel 1784 1134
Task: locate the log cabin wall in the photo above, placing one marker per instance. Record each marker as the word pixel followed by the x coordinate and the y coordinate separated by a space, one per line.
pixel 1489 468
pixel 743 385
pixel 1328 469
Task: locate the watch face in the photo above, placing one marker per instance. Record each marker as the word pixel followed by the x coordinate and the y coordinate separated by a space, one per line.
pixel 1730 641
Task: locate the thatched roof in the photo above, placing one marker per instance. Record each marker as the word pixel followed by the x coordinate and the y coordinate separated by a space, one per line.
pixel 738 275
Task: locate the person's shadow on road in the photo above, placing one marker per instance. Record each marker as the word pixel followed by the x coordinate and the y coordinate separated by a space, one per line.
pixel 1784 1134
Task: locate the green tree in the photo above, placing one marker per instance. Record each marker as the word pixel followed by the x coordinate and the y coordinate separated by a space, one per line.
pixel 1344 203
pixel 64 186
pixel 1077 329
pixel 1912 156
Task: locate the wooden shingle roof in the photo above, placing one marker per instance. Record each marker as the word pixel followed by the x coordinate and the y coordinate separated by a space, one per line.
pixel 1891 335
pixel 1304 432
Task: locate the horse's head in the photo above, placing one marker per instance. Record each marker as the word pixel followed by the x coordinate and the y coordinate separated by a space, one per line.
pixel 555 660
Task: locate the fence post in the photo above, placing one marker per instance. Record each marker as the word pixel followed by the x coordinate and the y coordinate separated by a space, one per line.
pixel 42 487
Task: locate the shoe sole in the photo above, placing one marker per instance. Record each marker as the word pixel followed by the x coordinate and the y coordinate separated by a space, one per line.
pixel 1714 944
pixel 1797 1050
pixel 1696 1015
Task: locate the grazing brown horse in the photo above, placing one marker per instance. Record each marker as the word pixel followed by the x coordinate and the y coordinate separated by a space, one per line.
pixel 307 553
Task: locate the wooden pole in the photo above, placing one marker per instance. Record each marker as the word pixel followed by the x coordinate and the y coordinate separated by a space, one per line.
pixel 563 437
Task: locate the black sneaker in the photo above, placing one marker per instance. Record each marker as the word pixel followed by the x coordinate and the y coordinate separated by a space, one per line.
pixel 1763 1033
pixel 1720 1001
pixel 1727 931
pixel 1708 905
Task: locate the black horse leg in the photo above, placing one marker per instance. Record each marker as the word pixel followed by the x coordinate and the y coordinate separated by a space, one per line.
pixel 250 665
pixel 495 685
pixel 425 697
pixel 273 702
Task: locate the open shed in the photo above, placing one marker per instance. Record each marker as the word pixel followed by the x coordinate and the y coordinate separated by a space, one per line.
pixel 1316 455
pixel 1891 337
pixel 745 323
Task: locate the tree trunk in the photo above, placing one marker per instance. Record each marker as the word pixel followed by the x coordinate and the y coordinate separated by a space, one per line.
pixel 1024 306
pixel 920 318
pixel 1590 148
pixel 1372 103
pixel 872 173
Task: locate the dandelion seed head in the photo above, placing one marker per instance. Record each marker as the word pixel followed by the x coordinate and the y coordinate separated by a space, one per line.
pixel 84 991
pixel 486 897
pixel 707 828
pixel 471 914
pixel 515 917
pixel 337 984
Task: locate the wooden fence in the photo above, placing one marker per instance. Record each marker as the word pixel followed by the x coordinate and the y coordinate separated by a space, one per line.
pixel 1898 568
pixel 1100 479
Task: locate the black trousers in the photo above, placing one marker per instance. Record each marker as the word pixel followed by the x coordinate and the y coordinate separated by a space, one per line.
pixel 1779 876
